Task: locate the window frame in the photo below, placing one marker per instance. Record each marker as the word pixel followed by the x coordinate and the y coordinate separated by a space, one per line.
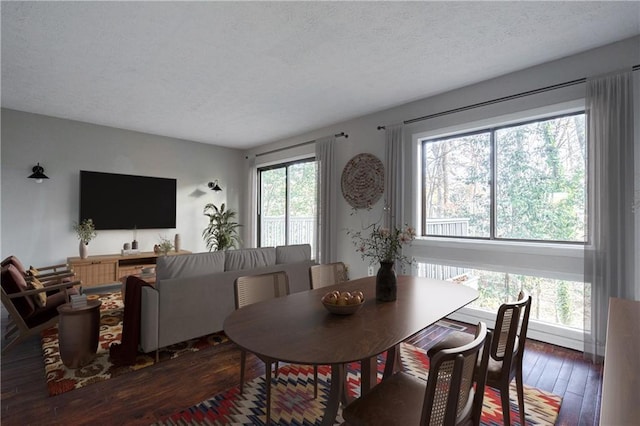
pixel 491 130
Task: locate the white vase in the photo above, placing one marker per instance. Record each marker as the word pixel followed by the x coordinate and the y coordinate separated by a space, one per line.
pixel 84 251
pixel 176 242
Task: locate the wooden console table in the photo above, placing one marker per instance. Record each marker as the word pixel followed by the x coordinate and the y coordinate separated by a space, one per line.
pixel 107 269
pixel 621 377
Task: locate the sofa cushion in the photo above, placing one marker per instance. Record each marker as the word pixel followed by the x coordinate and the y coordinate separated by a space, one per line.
pixel 12 260
pixel 189 265
pixel 249 258
pixel 293 253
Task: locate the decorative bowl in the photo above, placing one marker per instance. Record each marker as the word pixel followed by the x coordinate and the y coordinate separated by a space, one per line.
pixel 342 309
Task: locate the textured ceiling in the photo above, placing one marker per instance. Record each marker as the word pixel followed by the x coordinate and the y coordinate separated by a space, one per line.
pixel 241 74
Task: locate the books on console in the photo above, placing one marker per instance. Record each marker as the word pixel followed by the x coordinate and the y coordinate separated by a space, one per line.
pixel 129 252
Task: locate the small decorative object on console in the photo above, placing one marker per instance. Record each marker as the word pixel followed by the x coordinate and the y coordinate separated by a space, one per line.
pixel 86 232
pixel 165 246
pixel 134 243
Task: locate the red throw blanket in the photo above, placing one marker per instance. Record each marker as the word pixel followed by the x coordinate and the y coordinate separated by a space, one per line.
pixel 126 352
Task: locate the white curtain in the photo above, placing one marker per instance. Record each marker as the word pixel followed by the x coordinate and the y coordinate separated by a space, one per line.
pixel 327 187
pixel 251 229
pixel 394 176
pixel 609 255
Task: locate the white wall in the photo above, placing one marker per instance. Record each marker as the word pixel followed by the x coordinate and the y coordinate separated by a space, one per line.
pixel 37 219
pixel 364 136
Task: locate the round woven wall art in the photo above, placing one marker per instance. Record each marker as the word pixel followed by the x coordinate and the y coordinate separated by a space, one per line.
pixel 363 181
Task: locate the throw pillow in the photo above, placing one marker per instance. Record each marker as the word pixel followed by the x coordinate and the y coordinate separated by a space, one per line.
pixel 40 298
pixel 13 282
pixel 237 260
pixel 12 260
pixel 293 253
pixel 189 265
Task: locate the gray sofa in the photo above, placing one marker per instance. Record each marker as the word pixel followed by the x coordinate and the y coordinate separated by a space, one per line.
pixel 194 293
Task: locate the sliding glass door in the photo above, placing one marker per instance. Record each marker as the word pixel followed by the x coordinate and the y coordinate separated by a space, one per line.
pixel 287 204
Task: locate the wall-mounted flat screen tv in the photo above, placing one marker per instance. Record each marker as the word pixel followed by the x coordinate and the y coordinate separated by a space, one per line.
pixel 117 201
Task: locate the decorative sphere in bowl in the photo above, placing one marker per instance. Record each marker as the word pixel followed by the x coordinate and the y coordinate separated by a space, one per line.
pixel 343 303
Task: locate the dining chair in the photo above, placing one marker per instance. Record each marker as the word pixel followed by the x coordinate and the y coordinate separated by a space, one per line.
pixel 327 274
pixel 507 352
pixel 324 275
pixel 452 394
pixel 258 288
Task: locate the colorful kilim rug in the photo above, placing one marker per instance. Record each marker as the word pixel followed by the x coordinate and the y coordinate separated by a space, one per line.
pixel 61 379
pixel 293 402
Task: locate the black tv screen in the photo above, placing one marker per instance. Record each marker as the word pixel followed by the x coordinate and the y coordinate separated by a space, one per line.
pixel 116 201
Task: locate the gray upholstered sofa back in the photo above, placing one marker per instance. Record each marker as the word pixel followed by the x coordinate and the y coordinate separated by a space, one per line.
pixel 194 293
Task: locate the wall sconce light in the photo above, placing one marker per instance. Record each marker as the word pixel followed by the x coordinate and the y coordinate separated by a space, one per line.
pixel 38 173
pixel 214 186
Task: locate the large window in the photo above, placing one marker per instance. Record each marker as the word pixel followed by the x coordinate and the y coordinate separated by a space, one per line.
pixel 524 181
pixel 287 204
pixel 556 302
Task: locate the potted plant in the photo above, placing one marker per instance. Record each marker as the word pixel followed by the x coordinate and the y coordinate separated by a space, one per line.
pixel 222 231
pixel 86 232
pixel 165 246
pixel 384 245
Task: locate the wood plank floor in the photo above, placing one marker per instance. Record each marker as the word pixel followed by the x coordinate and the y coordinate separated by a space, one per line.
pixel 145 396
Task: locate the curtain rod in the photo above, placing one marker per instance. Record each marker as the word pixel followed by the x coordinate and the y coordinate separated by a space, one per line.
pixel 337 135
pixel 502 99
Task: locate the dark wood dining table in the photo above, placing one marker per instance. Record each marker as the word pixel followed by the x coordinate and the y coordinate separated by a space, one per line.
pixel 298 329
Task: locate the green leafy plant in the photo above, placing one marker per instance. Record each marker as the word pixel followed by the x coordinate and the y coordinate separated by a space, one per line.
pixel 165 245
pixel 86 230
pixel 222 231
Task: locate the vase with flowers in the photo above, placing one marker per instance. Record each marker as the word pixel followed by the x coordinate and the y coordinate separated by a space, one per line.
pixel 86 232
pixel 384 245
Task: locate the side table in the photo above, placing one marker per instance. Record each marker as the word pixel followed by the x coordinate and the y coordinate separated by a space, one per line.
pixel 78 333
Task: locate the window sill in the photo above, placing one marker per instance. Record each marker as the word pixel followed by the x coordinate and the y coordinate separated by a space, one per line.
pixel 557 261
pixel 525 247
pixel 543 332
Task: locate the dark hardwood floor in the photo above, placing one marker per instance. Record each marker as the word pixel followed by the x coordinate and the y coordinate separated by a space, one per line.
pixel 147 395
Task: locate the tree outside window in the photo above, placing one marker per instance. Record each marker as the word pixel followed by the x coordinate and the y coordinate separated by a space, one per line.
pixel 518 182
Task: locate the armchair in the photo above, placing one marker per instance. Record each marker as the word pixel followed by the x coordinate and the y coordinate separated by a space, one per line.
pixel 43 273
pixel 30 308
